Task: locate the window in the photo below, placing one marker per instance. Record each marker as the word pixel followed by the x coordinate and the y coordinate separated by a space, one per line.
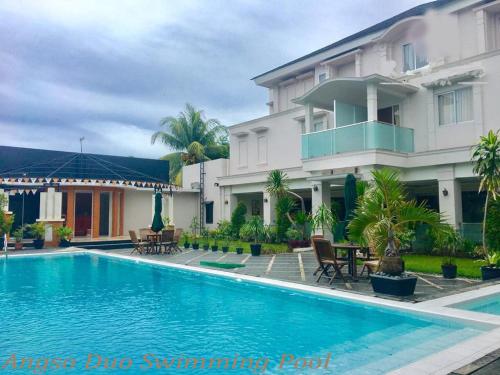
pixel 262 149
pixel 389 115
pixel 317 125
pixel 322 77
pixel 209 212
pixel 242 153
pixel 455 106
pixel 414 56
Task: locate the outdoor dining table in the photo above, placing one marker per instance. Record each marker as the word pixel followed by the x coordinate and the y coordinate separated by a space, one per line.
pixel 352 250
pixel 154 240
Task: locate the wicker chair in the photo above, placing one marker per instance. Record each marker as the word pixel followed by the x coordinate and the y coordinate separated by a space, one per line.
pixel 326 259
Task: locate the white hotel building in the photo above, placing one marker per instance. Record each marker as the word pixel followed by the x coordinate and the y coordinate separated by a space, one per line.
pixel 413 92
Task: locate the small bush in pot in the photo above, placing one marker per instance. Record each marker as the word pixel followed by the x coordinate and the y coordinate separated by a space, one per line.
pixel 446 240
pixel 37 230
pixel 64 234
pixel 185 240
pixel 492 268
pixel 194 232
pixel 239 250
pixel 18 236
pixel 294 237
pixel 256 228
pixel 216 236
pixel 206 239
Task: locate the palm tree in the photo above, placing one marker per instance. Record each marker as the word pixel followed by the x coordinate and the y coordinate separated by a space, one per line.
pixel 193 137
pixel 384 215
pixel 278 186
pixel 486 156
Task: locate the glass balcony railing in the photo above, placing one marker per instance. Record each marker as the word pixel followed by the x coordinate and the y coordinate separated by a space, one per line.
pixel 372 135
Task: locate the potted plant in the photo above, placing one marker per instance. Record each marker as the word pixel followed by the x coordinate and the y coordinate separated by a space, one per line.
pixel 492 268
pixel 185 240
pixel 256 228
pixel 18 236
pixel 37 230
pixel 194 231
pixel 167 222
pixel 383 217
pixel 294 238
pixel 446 240
pixel 224 228
pixel 215 235
pixel 206 240
pixel 65 234
pixel 323 218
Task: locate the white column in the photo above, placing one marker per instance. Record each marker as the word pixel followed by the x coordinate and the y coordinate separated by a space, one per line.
pixel 357 64
pixel 170 203
pixel 5 208
pixel 50 205
pixel 481 31
pixel 320 193
pixel 309 117
pixel 371 101
pixel 230 202
pixel 450 196
pixel 269 209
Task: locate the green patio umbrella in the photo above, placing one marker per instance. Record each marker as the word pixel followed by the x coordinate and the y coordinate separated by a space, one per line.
pixel 350 198
pixel 157 224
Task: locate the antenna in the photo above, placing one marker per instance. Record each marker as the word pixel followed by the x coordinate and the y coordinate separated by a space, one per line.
pixel 81 144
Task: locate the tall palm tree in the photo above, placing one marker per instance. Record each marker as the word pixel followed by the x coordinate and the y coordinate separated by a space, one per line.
pixel 382 218
pixel 486 156
pixel 278 186
pixel 193 137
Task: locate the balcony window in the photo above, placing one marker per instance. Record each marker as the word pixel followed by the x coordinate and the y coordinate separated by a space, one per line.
pixel 318 126
pixel 455 106
pixel 414 56
pixel 389 115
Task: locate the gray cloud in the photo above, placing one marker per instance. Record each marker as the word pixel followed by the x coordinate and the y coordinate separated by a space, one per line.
pixel 110 70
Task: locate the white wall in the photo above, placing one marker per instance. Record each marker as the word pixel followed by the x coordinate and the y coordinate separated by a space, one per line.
pixel 185 208
pixel 138 210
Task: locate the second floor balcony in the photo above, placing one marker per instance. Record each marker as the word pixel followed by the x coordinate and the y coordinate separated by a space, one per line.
pixel 365 115
pixel 369 135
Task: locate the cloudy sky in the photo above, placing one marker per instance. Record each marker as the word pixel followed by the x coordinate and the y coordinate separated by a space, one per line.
pixel 109 70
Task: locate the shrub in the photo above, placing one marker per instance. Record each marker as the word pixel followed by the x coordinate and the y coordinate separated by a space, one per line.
pixel 64 233
pixel 37 230
pixel 293 234
pixel 283 207
pixel 238 218
pixel 492 225
pixel 245 233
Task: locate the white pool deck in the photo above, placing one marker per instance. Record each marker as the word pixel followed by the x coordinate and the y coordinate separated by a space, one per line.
pixel 442 362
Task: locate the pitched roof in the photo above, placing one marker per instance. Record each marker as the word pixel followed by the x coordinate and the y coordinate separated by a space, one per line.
pixel 419 10
pixel 18 162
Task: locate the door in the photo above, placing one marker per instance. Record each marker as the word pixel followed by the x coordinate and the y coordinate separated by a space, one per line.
pixel 83 213
pixel 104 215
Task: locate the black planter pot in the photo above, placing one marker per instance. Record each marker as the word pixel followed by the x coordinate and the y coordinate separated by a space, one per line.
pixel 239 250
pixel 196 246
pixel 186 245
pixel 225 249
pixel 2 243
pixel 489 273
pixel 206 247
pixel 449 271
pixel 255 249
pixel 64 243
pixel 215 247
pixel 38 244
pixel 396 286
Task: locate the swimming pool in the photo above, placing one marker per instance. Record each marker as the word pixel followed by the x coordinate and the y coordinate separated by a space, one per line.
pixel 489 304
pixel 77 309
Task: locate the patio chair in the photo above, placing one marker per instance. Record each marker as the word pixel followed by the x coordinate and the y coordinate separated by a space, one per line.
pixel 138 245
pixel 167 240
pixel 371 264
pixel 327 261
pixel 177 239
pixel 316 236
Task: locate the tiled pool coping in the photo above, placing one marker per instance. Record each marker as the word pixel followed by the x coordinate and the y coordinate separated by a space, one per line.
pixel 442 362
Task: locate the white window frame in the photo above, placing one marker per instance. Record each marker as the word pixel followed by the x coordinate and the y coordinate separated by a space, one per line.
pixel 454 92
pixel 242 163
pixel 324 75
pixel 413 44
pixel 262 149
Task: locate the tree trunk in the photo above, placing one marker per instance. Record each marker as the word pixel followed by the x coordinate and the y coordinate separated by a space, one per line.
pixel 302 205
pixel 484 222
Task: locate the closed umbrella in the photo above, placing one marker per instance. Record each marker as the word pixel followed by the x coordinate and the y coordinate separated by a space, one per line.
pixel 157 224
pixel 350 198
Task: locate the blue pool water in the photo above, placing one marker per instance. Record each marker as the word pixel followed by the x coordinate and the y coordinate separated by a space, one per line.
pixel 70 306
pixel 489 305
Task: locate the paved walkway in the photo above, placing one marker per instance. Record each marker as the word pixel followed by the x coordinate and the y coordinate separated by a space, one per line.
pixel 300 267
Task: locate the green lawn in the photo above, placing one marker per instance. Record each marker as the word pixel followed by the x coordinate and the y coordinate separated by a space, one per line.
pixel 432 264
